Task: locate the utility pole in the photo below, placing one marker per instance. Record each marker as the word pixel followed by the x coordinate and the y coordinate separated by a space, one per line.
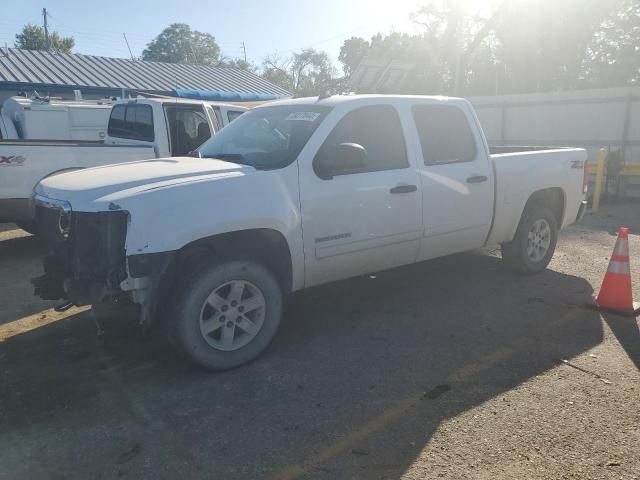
pixel 244 50
pixel 46 29
pixel 127 42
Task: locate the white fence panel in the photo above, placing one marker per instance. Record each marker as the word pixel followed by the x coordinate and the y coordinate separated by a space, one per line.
pixel 591 119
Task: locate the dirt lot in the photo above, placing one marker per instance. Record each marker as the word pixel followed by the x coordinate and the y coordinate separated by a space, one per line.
pixel 450 369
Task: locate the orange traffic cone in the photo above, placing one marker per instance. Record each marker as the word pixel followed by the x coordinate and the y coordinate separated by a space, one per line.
pixel 616 294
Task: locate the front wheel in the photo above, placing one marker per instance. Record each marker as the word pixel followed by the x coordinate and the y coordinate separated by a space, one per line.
pixel 535 242
pixel 227 314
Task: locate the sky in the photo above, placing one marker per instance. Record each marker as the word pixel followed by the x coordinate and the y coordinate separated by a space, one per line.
pixel 264 26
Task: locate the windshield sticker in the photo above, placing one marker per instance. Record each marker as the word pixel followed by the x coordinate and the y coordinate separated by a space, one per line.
pixel 12 161
pixel 303 116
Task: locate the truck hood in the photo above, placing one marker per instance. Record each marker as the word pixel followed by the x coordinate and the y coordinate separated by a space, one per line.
pixel 127 179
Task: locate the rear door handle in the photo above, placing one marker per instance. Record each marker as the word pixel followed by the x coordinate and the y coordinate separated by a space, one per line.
pixel 477 179
pixel 403 189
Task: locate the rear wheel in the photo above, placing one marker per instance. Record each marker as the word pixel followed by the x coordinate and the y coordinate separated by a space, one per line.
pixel 535 242
pixel 227 314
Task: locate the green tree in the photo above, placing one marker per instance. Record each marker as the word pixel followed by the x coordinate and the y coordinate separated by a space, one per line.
pixel 613 56
pixel 32 37
pixel 305 73
pixel 238 63
pixel 454 32
pixel 352 52
pixel 544 45
pixel 179 44
pixel 512 46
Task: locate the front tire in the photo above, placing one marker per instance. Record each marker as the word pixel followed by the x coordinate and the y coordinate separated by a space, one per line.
pixel 535 242
pixel 227 314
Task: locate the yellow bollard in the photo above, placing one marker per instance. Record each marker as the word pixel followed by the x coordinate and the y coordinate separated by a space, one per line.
pixel 595 206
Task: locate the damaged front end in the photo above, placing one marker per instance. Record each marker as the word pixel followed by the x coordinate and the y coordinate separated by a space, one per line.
pixel 86 259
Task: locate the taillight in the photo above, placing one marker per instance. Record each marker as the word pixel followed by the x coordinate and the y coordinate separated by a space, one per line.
pixel 587 175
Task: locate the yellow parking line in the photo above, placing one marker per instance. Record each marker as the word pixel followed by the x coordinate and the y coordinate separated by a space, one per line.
pixel 401 407
pixel 37 320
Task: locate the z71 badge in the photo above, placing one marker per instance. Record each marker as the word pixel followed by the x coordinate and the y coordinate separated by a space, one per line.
pixel 12 160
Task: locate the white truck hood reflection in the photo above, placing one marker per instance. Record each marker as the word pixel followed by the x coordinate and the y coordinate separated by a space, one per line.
pixel 122 181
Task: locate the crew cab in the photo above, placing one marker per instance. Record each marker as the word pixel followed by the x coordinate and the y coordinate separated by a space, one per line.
pixel 291 195
pixel 137 129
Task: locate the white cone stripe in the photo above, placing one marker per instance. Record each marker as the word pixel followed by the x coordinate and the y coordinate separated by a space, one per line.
pixel 622 248
pixel 619 267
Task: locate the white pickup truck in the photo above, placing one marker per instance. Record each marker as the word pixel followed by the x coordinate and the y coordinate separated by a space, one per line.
pixel 137 129
pixel 292 195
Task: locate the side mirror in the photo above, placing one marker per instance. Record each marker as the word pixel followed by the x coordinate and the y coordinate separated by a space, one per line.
pixel 339 160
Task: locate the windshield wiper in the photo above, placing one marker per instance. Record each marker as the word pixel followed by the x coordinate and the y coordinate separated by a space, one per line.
pixel 232 157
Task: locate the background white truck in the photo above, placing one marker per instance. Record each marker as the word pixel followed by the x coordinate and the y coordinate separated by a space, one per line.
pixel 137 129
pixel 293 195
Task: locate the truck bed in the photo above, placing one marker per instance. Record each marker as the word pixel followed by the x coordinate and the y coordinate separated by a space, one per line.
pixel 500 149
pixel 520 172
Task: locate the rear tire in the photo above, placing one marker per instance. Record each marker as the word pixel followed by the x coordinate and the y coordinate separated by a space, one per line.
pixel 535 242
pixel 227 314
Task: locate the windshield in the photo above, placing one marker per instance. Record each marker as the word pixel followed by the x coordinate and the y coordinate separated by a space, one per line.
pixel 266 138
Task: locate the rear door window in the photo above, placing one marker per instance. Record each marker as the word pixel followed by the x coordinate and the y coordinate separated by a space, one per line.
pixel 445 134
pixel 132 121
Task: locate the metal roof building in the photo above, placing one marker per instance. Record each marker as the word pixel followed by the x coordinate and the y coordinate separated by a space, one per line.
pixel 59 74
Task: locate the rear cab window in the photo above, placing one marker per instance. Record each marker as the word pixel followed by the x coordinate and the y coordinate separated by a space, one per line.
pixel 445 134
pixel 132 121
pixel 233 114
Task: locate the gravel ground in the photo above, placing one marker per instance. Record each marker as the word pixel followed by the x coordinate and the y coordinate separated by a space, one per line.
pixel 449 369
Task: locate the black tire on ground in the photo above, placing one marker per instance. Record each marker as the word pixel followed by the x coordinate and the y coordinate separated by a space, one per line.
pixel 515 254
pixel 184 324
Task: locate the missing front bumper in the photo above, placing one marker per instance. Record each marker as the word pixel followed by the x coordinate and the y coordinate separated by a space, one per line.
pixel 86 259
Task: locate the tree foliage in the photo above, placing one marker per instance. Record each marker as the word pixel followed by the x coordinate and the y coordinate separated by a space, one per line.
pixel 512 46
pixel 179 44
pixel 614 51
pixel 32 37
pixel 238 63
pixel 352 52
pixel 304 73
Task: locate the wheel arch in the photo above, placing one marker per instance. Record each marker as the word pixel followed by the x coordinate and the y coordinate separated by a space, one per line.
pixel 266 246
pixel 552 198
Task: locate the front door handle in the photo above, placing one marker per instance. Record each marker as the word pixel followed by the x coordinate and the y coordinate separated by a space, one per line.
pixel 477 179
pixel 403 189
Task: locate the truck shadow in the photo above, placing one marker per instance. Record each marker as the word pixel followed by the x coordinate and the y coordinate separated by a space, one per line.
pixel 20 261
pixel 362 371
pixel 627 333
